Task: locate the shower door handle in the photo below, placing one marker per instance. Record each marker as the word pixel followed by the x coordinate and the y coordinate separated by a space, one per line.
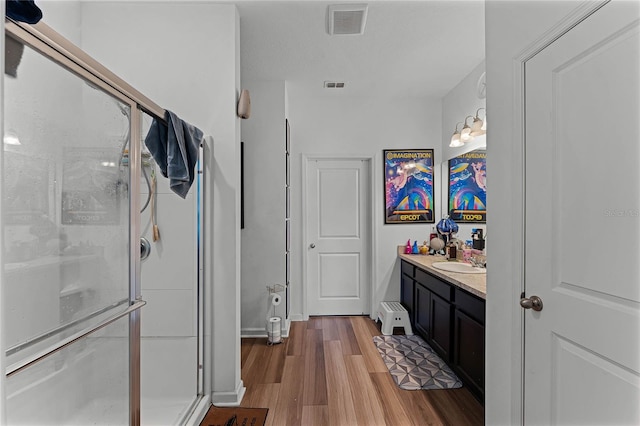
pixel 145 248
pixel 56 347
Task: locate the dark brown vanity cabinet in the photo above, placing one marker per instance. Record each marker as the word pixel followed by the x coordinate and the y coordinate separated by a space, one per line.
pixel 407 288
pixel 441 326
pixel 433 312
pixel 422 311
pixel 450 319
pixel 469 317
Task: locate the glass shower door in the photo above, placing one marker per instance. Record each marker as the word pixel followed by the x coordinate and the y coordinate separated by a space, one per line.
pixel 170 344
pixel 67 228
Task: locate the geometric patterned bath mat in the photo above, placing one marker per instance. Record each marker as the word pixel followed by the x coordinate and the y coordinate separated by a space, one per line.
pixel 413 364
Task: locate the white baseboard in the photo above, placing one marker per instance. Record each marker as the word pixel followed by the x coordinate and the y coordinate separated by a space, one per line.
pixel 297 317
pixel 252 332
pixel 229 399
pixel 287 327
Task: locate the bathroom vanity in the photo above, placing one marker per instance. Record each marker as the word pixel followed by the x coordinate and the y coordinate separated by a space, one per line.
pixel 447 309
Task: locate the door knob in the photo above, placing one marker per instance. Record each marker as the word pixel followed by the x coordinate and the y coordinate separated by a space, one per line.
pixel 533 302
pixel 312 246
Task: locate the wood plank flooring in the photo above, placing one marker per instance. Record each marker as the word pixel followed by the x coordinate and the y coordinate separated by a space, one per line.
pixel 329 373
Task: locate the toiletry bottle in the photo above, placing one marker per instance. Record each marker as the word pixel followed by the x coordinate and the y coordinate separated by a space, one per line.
pixel 433 234
pixel 452 252
pixel 407 249
pixel 466 251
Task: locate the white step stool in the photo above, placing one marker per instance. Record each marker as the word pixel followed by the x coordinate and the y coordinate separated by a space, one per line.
pixel 393 314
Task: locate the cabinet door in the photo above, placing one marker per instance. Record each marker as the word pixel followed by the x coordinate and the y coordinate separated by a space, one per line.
pixel 407 286
pixel 471 305
pixel 423 311
pixel 441 326
pixel 469 352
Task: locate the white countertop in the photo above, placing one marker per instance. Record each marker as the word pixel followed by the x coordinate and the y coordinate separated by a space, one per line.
pixel 475 284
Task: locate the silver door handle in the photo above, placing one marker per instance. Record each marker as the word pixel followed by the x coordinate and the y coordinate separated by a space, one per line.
pixel 145 248
pixel 312 246
pixel 533 302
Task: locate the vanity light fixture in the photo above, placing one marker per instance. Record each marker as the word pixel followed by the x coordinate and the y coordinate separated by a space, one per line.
pixel 468 133
pixel 455 138
pixel 465 134
pixel 479 126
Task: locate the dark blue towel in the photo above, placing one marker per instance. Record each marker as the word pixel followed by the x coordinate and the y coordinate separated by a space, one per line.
pixel 23 11
pixel 174 146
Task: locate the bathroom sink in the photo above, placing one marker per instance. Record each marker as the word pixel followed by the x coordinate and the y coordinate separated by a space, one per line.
pixel 462 268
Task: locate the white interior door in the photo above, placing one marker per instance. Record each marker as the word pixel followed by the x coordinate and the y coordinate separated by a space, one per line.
pixel 338 243
pixel 582 359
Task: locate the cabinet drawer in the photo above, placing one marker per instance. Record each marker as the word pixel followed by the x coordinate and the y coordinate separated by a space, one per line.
pixel 407 268
pixel 438 287
pixel 471 305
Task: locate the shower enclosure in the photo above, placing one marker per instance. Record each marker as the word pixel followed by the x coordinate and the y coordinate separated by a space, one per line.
pixel 73 301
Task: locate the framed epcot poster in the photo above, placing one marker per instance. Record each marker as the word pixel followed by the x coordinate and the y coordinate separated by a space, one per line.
pixel 468 187
pixel 408 186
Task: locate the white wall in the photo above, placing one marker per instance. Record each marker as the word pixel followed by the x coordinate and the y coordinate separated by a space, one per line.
pixel 360 126
pixel 460 102
pixel 3 324
pixel 263 236
pixel 511 27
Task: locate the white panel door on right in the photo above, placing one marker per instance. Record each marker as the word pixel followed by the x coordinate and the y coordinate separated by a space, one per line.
pixel 582 228
pixel 338 212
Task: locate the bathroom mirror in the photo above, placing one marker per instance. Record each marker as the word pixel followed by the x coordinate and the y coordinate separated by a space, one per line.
pixel 467 187
pixel 463 191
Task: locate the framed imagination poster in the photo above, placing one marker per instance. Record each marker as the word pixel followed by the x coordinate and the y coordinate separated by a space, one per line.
pixel 468 187
pixel 408 186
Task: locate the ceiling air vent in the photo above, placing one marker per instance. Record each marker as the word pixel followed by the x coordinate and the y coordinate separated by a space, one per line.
pixel 334 85
pixel 346 19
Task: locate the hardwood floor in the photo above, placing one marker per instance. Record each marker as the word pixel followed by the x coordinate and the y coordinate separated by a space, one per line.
pixel 329 373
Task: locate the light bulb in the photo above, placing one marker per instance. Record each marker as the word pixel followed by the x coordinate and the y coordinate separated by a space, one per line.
pixel 465 134
pixel 455 140
pixel 476 127
pixel 10 138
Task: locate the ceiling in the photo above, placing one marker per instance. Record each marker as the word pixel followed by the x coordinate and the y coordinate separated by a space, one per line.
pixel 409 48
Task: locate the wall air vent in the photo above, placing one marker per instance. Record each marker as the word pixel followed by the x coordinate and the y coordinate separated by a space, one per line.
pixel 334 85
pixel 346 19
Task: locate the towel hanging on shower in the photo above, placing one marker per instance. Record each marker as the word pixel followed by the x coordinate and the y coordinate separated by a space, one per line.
pixel 23 11
pixel 175 146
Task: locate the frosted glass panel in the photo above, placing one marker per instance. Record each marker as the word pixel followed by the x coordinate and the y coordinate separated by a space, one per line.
pixel 65 200
pixel 84 384
pixel 65 217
